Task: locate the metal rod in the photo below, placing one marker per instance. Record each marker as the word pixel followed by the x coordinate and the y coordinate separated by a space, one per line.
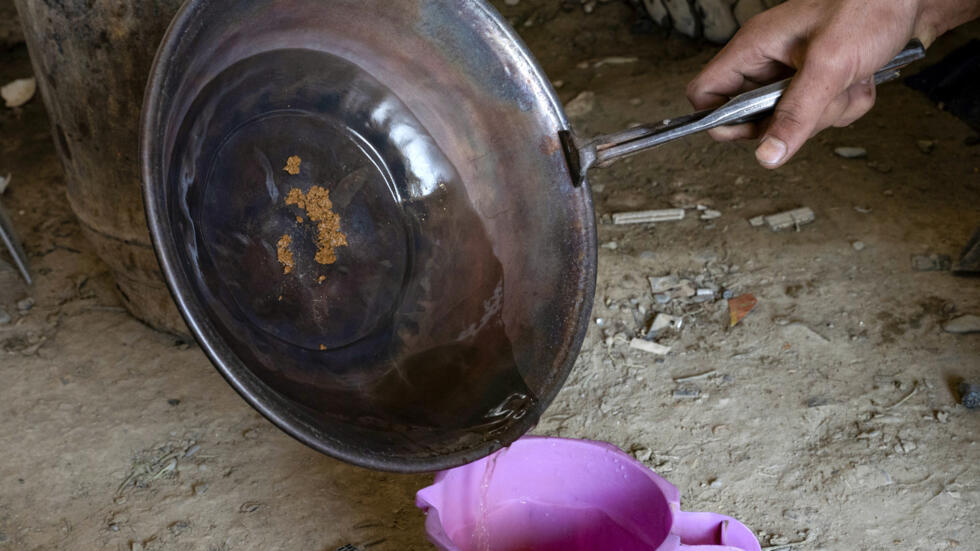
pixel 749 106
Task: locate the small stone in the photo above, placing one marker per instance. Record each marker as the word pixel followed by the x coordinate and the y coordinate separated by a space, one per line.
pixel 851 152
pixel 25 304
pixel 969 323
pixel 249 507
pixel 687 392
pixel 858 245
pixel 715 483
pixel 932 263
pixel 18 92
pixel 649 347
pixel 581 105
pixel 4 317
pixel 728 294
pixel 926 146
pixel 612 246
pixel 512 2
pixel 709 214
pixel 942 416
pixel 969 395
pixel 558 84
pixel 174 402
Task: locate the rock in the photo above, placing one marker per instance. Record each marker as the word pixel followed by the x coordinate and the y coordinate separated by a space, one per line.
pixel 615 60
pixel 932 263
pixel 926 146
pixel 4 317
pixel 851 152
pixel 969 395
pixel 664 321
pixel 969 323
pixel 581 105
pixel 858 245
pixel 18 92
pixel 25 304
pixel 789 219
pixel 650 347
pixel 709 214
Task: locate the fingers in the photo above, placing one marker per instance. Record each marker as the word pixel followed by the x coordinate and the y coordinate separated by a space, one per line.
pixel 746 131
pixel 824 77
pixel 860 100
pixel 756 54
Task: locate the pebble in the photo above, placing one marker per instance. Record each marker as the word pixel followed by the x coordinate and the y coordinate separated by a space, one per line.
pixel 25 304
pixel 851 152
pixel 970 395
pixel 4 317
pixel 932 263
pixel 858 245
pixel 926 146
pixel 969 323
pixel 581 105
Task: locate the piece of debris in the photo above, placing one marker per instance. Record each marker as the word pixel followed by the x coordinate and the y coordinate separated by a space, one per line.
pixel 704 295
pixel 962 325
pixel 292 165
pixel 688 378
pixel 663 284
pixel 581 105
pixel 969 395
pixel 926 146
pixel 790 219
pixel 687 392
pixel 349 546
pixel 18 92
pixel 665 321
pixel 4 317
pixel 648 216
pixel 615 60
pixel 249 507
pixel 4 182
pixel 708 214
pixel 862 210
pixel 757 221
pixel 932 263
pixel 739 307
pixel 858 245
pixel 25 304
pixel 651 347
pixel 851 152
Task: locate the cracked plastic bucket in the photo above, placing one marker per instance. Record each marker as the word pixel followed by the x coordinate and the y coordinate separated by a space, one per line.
pixel 555 494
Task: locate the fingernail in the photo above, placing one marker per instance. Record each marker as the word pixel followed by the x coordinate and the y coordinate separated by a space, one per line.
pixel 771 151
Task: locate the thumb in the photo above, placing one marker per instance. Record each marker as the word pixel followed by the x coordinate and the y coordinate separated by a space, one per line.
pixel 797 116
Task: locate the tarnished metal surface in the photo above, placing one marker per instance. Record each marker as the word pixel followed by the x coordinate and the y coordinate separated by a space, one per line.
pixel 455 310
pixel 91 61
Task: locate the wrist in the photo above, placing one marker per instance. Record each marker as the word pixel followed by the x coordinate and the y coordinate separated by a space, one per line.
pixel 935 17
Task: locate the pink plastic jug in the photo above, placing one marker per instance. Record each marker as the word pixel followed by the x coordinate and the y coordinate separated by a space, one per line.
pixel 556 494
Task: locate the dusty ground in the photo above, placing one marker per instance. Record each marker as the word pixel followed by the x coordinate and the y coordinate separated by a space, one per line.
pixel 827 419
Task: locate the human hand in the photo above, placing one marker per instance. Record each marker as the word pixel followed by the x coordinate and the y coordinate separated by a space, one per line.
pixel 834 47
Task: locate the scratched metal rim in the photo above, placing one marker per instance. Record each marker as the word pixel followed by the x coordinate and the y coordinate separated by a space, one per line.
pixel 273 407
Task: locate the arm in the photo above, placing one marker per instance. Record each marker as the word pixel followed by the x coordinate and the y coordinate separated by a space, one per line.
pixel 834 47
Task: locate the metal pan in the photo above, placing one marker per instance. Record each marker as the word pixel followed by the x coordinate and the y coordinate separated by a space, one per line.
pixel 374 219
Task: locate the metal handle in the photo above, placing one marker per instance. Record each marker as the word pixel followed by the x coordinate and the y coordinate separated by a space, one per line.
pixel 749 106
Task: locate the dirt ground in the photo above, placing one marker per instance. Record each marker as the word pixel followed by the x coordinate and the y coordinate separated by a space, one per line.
pixel 826 420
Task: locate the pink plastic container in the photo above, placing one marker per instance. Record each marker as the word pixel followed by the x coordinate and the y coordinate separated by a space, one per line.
pixel 555 494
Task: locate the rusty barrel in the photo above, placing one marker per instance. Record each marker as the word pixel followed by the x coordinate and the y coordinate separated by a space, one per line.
pixel 91 61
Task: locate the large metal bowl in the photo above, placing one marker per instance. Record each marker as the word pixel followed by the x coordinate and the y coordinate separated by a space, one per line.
pixel 453 314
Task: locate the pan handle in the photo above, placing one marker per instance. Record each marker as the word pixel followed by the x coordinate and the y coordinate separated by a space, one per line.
pixel 749 106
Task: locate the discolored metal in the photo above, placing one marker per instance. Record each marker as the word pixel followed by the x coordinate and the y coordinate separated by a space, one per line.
pixel 453 313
